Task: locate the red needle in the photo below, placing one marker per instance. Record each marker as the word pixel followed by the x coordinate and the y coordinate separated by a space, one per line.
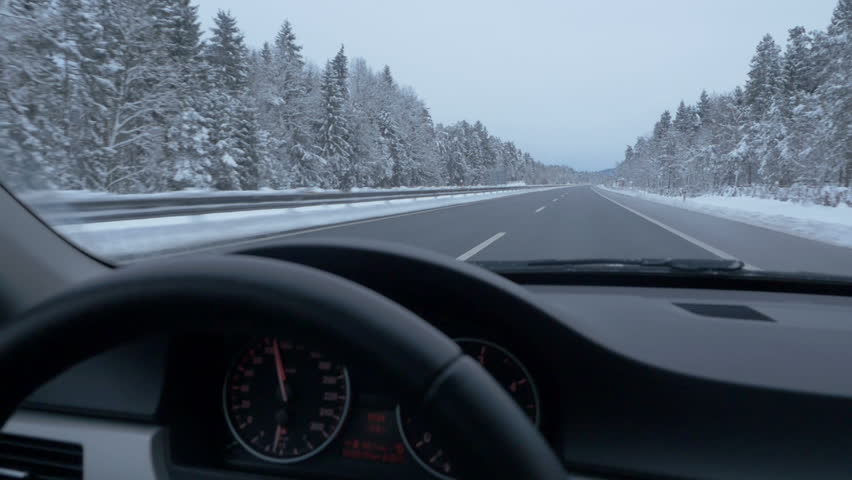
pixel 279 367
pixel 277 437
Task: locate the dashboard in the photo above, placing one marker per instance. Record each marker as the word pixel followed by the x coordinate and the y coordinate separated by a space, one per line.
pixel 283 404
pixel 623 382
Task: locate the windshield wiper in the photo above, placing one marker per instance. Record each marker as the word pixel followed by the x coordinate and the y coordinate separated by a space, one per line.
pixel 678 264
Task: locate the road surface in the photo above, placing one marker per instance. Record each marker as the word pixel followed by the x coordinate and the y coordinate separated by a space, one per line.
pixel 582 222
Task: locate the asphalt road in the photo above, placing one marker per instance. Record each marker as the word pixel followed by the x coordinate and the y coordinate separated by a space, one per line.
pixel 582 222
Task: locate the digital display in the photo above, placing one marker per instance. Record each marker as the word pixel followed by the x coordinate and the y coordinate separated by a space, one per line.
pixel 374 436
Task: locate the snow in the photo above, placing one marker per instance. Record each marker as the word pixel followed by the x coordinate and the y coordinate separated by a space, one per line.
pixel 133 238
pixel 227 159
pixel 232 122
pixel 36 197
pixel 59 196
pixel 815 222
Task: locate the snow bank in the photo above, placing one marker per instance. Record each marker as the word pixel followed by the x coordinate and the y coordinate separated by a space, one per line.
pixel 829 196
pixel 145 237
pixel 815 222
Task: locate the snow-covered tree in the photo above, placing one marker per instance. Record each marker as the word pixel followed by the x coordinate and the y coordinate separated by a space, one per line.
pixel 227 54
pixel 835 96
pixel 765 76
pixel 124 96
pixel 129 84
pixel 703 108
pixel 334 134
pixel 291 105
pixel 32 129
pixel 789 128
pixel 287 48
pixel 799 72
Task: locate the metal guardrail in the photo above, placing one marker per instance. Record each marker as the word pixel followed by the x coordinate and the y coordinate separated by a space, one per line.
pixel 93 210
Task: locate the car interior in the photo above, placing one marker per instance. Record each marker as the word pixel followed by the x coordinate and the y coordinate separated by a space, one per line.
pixel 171 367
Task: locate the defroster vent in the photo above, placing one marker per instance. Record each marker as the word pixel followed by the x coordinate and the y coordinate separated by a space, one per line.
pixel 734 312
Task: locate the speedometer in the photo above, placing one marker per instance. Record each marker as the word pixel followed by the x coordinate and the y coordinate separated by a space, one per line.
pixel 506 369
pixel 285 401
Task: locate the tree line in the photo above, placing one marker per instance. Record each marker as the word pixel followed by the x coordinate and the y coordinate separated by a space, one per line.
pixel 788 129
pixel 126 96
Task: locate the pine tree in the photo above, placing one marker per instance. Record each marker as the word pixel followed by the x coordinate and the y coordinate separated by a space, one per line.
pixel 266 53
pixel 268 111
pixel 31 127
pixel 185 33
pixel 783 155
pixel 246 148
pixel 841 19
pixel 227 54
pixel 223 166
pixel 239 158
pixel 390 150
pixel 483 154
pixel 340 66
pixel 189 148
pixel 684 120
pixel 127 84
pixel 78 30
pixel 287 48
pixel 281 94
pixel 662 145
pixel 334 136
pixel 764 89
pixel 704 107
pixel 453 151
pixel 366 100
pixel 662 127
pixel 765 77
pixel 423 152
pixel 394 130
pixel 776 167
pixel 387 79
pixel 835 95
pixel 798 71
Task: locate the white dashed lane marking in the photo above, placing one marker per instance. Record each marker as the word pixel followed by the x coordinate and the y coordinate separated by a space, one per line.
pixel 473 251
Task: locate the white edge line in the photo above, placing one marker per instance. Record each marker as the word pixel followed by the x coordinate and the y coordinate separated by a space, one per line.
pixel 688 238
pixel 473 251
pixel 697 208
pixel 540 209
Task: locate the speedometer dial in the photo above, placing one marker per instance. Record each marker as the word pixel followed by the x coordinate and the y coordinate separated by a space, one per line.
pixel 506 369
pixel 285 401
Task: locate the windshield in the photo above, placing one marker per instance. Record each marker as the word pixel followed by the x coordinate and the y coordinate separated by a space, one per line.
pixel 544 131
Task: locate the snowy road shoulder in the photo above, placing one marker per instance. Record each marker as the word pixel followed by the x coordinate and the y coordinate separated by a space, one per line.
pixel 831 225
pixel 120 239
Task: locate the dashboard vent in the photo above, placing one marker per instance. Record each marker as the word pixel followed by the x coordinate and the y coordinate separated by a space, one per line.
pixel 736 312
pixel 35 459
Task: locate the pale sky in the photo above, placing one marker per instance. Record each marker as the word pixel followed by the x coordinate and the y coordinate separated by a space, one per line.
pixel 571 82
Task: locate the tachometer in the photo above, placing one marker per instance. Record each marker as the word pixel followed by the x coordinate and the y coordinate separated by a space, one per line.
pixel 285 401
pixel 506 369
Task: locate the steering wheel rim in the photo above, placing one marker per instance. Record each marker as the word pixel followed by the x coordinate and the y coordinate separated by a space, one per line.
pixel 226 292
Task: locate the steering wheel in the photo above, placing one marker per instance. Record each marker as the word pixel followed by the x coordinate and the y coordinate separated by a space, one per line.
pixel 487 432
